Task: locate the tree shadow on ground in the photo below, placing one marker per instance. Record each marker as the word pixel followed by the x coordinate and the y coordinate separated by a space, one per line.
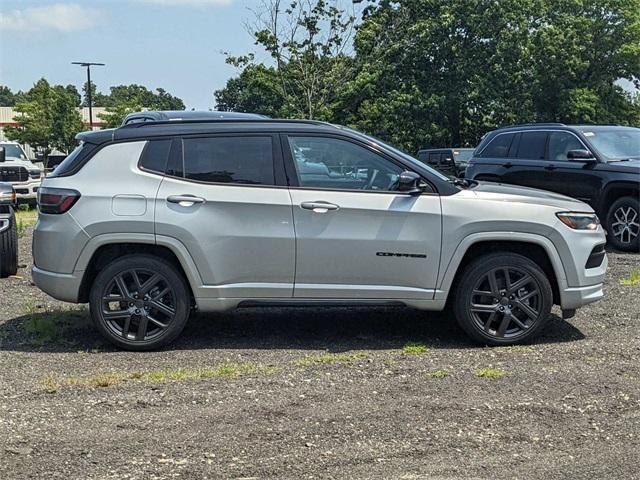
pixel 335 329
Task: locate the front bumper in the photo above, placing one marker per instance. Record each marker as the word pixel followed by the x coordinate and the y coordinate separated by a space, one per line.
pixel 576 297
pixel 27 190
pixel 61 286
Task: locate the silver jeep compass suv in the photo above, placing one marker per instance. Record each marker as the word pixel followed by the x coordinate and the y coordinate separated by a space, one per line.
pixel 150 220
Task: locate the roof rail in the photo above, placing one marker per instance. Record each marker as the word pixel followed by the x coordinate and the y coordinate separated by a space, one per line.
pixel 152 123
pixel 536 124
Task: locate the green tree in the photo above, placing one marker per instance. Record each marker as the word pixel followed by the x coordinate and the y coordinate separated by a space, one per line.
pixel 47 120
pixel 7 97
pixel 307 40
pixel 114 115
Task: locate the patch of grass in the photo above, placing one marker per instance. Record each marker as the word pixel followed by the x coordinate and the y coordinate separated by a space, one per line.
pixel 227 370
pixel 632 280
pixel 330 358
pixel 414 348
pixel 51 325
pixel 490 373
pixel 50 384
pixel 442 373
pixel 25 217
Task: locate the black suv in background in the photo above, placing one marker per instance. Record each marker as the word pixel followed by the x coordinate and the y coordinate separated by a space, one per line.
pixel 598 164
pixel 450 161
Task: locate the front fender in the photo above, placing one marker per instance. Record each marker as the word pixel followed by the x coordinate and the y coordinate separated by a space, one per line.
pixel 448 273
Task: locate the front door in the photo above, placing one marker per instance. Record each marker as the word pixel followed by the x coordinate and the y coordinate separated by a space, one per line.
pixel 355 236
pixel 219 199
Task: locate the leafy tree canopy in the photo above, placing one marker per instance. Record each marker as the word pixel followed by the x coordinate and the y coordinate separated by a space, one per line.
pixel 47 118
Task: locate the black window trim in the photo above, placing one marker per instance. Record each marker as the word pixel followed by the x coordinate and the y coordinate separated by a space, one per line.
pixel 292 172
pixel 515 132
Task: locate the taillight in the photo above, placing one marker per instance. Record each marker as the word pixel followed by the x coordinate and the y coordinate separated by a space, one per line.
pixel 56 200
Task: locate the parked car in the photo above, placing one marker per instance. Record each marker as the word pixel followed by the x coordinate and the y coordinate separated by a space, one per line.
pixel 185 115
pixel 450 161
pixel 19 171
pixel 151 219
pixel 598 164
pixel 8 231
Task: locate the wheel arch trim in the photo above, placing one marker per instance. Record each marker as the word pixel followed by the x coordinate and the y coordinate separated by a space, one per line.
pixel 448 275
pixel 175 246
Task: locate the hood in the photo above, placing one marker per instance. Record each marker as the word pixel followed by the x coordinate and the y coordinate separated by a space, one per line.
pixel 517 194
pixel 630 166
pixel 17 162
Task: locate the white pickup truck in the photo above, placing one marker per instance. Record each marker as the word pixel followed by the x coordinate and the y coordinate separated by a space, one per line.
pixel 24 175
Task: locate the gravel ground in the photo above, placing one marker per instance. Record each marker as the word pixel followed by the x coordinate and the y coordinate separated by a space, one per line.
pixel 322 393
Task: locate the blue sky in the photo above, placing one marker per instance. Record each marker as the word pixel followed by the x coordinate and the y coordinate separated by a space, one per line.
pixel 173 44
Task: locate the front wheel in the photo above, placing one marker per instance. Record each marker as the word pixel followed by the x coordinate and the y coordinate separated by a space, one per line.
pixel 139 302
pixel 503 299
pixel 623 224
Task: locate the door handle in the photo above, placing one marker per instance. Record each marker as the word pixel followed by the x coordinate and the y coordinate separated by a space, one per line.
pixel 319 207
pixel 508 165
pixel 185 200
pixel 550 167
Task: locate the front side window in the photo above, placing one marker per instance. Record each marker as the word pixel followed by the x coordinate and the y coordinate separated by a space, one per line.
pixel 244 160
pixel 341 165
pixel 498 147
pixel 561 143
pixel 532 146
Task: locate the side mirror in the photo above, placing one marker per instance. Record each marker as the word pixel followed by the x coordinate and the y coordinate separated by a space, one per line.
pixel 581 156
pixel 3 154
pixel 409 182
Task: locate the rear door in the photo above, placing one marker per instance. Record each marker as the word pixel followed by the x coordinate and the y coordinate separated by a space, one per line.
pixel 526 163
pixel 355 236
pixel 220 199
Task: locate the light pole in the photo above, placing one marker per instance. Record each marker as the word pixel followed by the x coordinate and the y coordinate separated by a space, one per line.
pixel 89 65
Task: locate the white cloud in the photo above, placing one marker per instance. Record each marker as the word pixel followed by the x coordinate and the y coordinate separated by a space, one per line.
pixel 187 3
pixel 63 17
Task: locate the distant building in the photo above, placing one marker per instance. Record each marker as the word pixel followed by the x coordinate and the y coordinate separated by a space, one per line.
pixel 8 116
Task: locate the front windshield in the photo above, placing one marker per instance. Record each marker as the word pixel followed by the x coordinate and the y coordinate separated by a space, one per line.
pixel 616 143
pixel 398 152
pixel 463 156
pixel 13 150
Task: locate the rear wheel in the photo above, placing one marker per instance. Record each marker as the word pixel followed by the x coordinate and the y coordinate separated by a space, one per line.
pixel 139 302
pixel 9 249
pixel 623 224
pixel 503 299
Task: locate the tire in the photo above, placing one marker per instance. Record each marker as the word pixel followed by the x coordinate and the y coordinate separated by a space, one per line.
pixel 485 321
pixel 143 311
pixel 623 224
pixel 9 249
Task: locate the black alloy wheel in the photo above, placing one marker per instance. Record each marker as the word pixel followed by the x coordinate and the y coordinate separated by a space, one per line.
pixel 502 299
pixel 140 302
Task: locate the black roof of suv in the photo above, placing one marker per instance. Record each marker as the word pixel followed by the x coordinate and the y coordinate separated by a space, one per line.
pixel 598 164
pixel 179 115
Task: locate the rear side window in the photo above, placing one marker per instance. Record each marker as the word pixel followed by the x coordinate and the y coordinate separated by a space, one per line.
pixel 499 146
pixel 532 145
pixel 155 155
pixel 245 160
pixel 434 158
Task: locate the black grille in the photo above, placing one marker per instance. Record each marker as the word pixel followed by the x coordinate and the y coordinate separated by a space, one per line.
pixel 596 257
pixel 13 174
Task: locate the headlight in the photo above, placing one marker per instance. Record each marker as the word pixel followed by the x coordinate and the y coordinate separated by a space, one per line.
pixel 579 221
pixel 35 174
pixel 7 197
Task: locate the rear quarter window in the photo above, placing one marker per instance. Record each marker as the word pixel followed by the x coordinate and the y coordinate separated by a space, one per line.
pixel 155 155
